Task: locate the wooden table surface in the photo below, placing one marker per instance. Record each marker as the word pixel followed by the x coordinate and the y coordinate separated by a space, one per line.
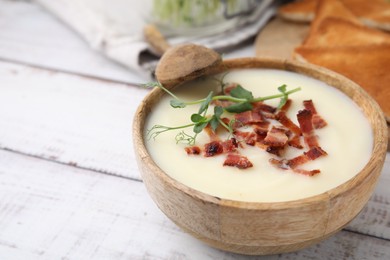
pixel 69 184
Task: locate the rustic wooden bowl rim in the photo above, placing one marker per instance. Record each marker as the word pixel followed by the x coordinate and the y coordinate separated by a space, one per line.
pixel 379 145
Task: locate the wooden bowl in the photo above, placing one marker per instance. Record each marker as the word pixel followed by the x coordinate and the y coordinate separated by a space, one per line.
pixel 265 228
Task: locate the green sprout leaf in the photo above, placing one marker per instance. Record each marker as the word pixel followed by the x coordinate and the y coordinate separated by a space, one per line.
pixel 282 89
pixel 216 118
pixel 205 104
pixel 218 111
pixel 177 103
pixel 240 92
pixel 199 127
pixel 214 123
pixel 196 118
pixel 239 107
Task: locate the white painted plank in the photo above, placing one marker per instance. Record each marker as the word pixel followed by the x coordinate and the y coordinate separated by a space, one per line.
pixel 375 217
pixel 29 34
pixel 53 211
pixel 68 118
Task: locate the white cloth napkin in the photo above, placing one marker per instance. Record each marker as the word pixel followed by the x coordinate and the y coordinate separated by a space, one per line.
pixel 114 28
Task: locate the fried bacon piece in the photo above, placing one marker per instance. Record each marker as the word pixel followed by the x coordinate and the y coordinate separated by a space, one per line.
pixel 222 103
pixel 276 137
pixel 195 150
pixel 295 141
pixel 293 163
pixel 285 121
pixel 305 121
pixel 213 148
pixel 250 138
pixel 261 130
pixel 307 172
pixel 281 164
pixel 281 116
pixel 260 106
pixel 310 155
pixel 249 117
pixel 237 160
pixel 234 124
pixel 266 110
pixel 219 147
pixel 277 150
pixel 286 105
pixel 229 145
pixel 210 132
pixel 318 121
pixel 275 141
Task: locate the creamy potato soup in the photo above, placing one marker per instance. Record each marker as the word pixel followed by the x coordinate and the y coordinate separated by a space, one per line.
pixel 346 139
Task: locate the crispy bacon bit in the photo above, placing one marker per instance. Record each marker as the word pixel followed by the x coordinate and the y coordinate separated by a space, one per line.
pixel 276 137
pixel 225 120
pixel 318 121
pixel 249 117
pixel 293 163
pixel 284 120
pixel 222 103
pixel 305 121
pixel 310 155
pixel 237 160
pixel 235 124
pixel 295 141
pixel 315 152
pixel 261 129
pixel 260 106
pixel 213 135
pixel 282 164
pixel 286 106
pixel 229 145
pixel 192 150
pixel 296 161
pixel 213 148
pixel 249 138
pixel 266 110
pixel 307 172
pixel 274 150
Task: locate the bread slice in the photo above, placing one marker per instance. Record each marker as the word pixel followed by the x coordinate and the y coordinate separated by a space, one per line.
pixel 368 66
pixel 339 32
pixel 380 20
pixel 373 13
pixel 298 11
pixel 362 8
pixel 331 8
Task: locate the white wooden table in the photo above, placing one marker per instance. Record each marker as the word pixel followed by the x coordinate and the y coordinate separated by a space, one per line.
pixel 69 184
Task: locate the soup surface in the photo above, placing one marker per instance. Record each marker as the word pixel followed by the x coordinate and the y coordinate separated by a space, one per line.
pixel 347 140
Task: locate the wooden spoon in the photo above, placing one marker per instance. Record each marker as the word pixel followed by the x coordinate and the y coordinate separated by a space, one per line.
pixel 180 63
